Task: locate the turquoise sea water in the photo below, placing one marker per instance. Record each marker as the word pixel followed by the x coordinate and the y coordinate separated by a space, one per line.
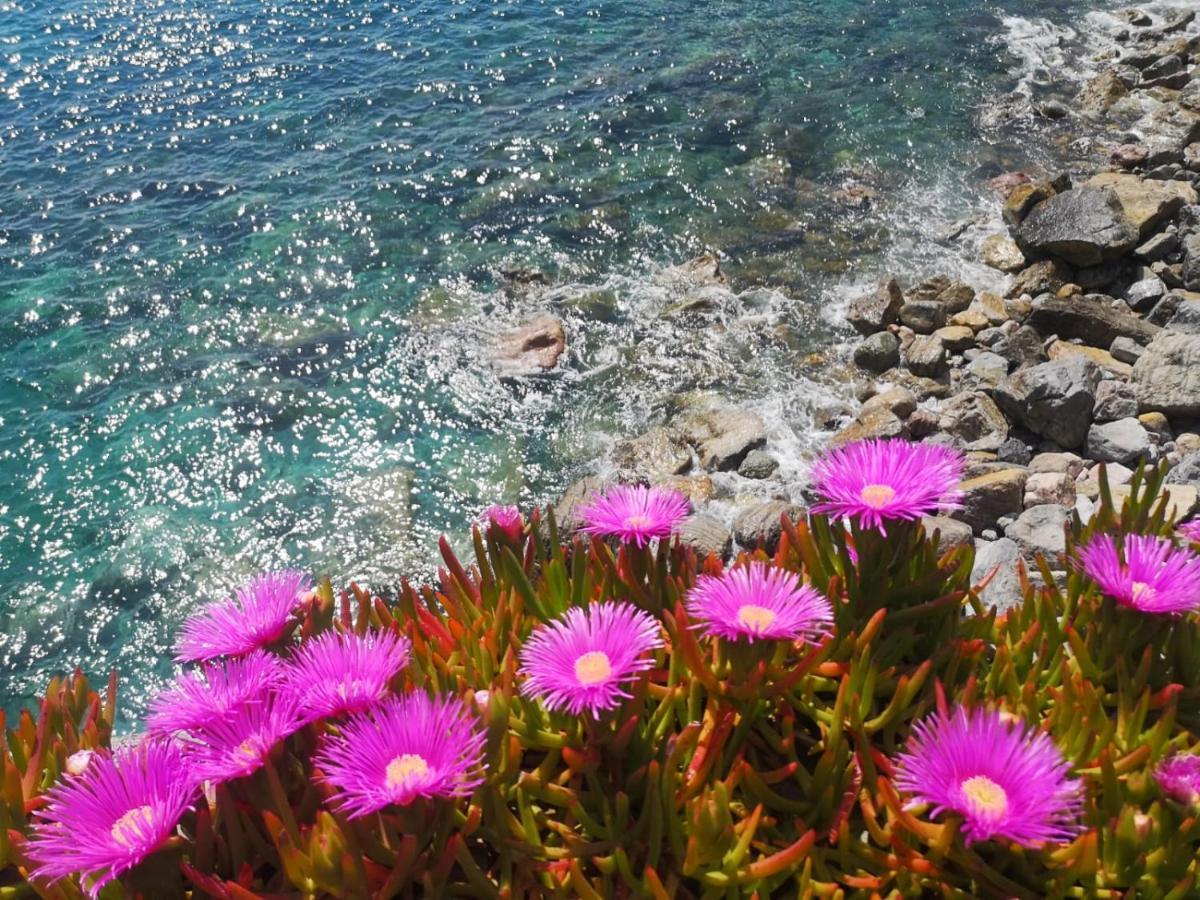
pixel 248 257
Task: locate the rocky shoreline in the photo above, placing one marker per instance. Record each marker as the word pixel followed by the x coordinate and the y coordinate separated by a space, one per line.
pixel 1090 355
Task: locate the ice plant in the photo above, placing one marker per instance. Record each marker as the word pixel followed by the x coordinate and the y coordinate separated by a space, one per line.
pixel 1191 531
pixel 1149 574
pixel 239 743
pixel 341 672
pixel 759 601
pixel 1005 779
pixel 506 519
pixel 199 698
pixel 1179 778
pixel 407 747
pixel 634 514
pixel 256 617
pixel 875 481
pixel 581 660
pixel 103 822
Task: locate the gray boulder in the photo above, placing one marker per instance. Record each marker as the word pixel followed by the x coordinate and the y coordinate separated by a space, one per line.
pixel 758 464
pixel 723 437
pixel 655 455
pixel 1191 263
pixel 877 310
pixel 1167 376
pixel 1092 319
pixel 706 534
pixel 1085 226
pixel 1186 471
pixel 758 525
pixel 879 352
pixel 990 497
pixel 1054 399
pixel 1004 590
pixel 1124 441
pixel 975 420
pixel 926 356
pixel 1115 400
pixel 1040 530
pixel 951 534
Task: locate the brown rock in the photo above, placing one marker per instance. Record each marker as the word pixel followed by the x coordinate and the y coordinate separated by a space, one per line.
pixel 1102 358
pixel 1043 277
pixel 532 348
pixel 1146 202
pixel 990 497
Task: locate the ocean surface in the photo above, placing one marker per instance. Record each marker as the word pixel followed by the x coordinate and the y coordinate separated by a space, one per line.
pixel 250 257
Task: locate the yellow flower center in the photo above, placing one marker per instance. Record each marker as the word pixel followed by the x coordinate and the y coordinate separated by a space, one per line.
pixel 127 828
pixel 877 496
pixel 985 795
pixel 405 768
pixel 755 618
pixel 638 521
pixel 1141 591
pixel 593 668
pixel 246 751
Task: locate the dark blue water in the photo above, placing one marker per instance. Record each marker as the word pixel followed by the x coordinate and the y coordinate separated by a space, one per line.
pixel 249 256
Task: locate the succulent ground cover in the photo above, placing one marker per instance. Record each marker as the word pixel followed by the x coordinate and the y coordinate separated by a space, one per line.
pixel 610 716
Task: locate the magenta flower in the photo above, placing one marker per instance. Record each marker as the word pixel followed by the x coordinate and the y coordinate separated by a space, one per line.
pixel 634 514
pixel 198 698
pixel 105 821
pixel 340 672
pixel 1179 778
pixel 876 481
pixel 1155 577
pixel 759 601
pixel 507 519
pixel 1005 779
pixel 407 747
pixel 239 743
pixel 257 617
pixel 579 661
pixel 1191 531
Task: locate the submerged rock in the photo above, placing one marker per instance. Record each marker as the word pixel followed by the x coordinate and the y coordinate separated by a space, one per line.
pixel 531 349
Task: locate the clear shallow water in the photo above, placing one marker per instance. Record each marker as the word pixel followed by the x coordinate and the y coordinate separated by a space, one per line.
pixel 248 258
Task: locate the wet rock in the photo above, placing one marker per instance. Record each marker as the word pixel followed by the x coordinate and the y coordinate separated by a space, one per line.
pixel 706 534
pixel 709 298
pixel 1129 156
pixel 1039 530
pixel 1001 252
pixel 998 559
pixel 923 316
pixel 1053 109
pixel 531 349
pixel 657 454
pixel 522 278
pixel 1005 184
pixel 1053 399
pixel 1115 400
pixel 1167 376
pixel 975 420
pixel 987 498
pixel 1124 441
pixel 1146 203
pixel 1084 226
pixel 926 356
pixel 879 352
pixel 951 533
pixel 1049 487
pixel 1092 319
pixel 758 464
pixel 723 437
pixel 1046 276
pixel 877 310
pixel 704 269
pixel 567 508
pixel 1101 93
pixel 1022 199
pixel 759 525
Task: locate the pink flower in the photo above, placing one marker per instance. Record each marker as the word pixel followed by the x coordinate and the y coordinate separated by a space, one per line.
pixel 105 821
pixel 239 743
pixel 1179 778
pixel 506 519
pixel 580 661
pixel 634 514
pixel 1155 577
pixel 1005 779
pixel 875 481
pixel 258 616
pixel 198 699
pixel 340 672
pixel 407 747
pixel 759 601
pixel 1191 531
